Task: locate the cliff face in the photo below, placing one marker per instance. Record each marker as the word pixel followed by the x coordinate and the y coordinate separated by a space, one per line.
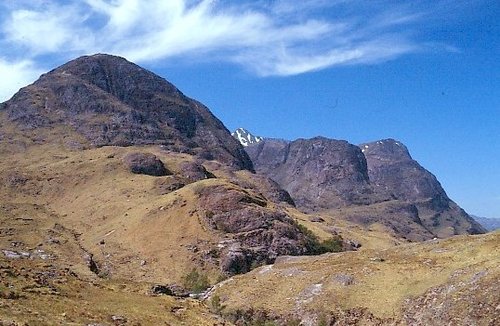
pixel 109 101
pixel 318 173
pixel 391 169
pixel 375 182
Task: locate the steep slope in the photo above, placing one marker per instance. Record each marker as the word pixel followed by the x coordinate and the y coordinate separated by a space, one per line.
pixel 245 137
pixel 377 183
pixel 106 100
pixel 391 168
pixel 319 173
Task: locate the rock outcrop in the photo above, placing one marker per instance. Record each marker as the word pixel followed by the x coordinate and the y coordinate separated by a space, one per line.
pixel 145 163
pixel 259 231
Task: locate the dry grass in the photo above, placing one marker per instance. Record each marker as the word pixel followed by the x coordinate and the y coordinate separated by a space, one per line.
pixel 29 298
pixel 89 202
pixel 379 280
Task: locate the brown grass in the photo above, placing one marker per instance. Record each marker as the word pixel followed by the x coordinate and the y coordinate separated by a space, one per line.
pixel 379 280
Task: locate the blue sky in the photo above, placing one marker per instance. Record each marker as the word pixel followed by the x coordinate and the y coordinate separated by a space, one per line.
pixel 424 72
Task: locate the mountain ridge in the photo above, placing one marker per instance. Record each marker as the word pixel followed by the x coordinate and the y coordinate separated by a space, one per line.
pixel 325 174
pixel 489 223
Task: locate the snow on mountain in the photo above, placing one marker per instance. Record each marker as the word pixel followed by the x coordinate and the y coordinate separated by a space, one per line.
pixel 245 137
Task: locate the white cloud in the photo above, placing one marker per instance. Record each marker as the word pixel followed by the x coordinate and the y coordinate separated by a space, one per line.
pixel 284 37
pixel 14 76
pixel 49 29
pixel 285 63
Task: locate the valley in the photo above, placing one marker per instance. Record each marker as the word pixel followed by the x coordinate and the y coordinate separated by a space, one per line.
pixel 114 184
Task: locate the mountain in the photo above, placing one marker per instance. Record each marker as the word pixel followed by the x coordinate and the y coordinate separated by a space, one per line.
pixel 123 202
pixel 118 157
pixel 391 168
pixel 376 182
pixel 105 100
pixel 245 137
pixel 319 173
pixel 490 224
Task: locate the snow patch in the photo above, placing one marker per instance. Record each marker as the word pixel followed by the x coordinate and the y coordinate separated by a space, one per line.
pixel 245 137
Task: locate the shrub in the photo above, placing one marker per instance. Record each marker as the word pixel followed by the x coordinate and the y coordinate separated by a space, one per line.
pixel 334 244
pixel 216 305
pixel 196 281
pixel 316 247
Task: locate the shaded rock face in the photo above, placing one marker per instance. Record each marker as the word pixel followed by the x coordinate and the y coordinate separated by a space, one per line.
pixel 190 171
pixel 145 163
pixel 259 233
pixel 323 174
pixel 391 169
pixel 110 101
pixel 193 172
pixel 318 173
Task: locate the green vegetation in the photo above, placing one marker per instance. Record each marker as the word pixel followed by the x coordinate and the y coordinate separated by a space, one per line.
pixel 215 305
pixel 196 281
pixel 333 244
pixel 317 247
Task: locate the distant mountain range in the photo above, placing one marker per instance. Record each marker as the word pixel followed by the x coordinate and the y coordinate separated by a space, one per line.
pixel 490 224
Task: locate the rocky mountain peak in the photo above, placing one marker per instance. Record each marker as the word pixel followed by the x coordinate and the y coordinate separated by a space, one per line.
pixel 107 100
pixel 245 137
pixel 115 75
pixel 386 149
pixel 379 181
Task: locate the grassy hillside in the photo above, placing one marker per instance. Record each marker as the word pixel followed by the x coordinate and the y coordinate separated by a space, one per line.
pixel 432 283
pixel 62 209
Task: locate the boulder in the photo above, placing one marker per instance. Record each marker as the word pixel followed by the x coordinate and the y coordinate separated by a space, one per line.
pixel 192 172
pixel 145 163
pixel 170 289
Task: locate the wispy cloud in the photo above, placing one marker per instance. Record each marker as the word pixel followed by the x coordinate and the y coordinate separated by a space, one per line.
pixel 16 75
pixel 281 37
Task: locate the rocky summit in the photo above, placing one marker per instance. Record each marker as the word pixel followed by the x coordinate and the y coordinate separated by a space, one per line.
pixel 391 168
pixel 106 100
pixel 376 181
pixel 124 202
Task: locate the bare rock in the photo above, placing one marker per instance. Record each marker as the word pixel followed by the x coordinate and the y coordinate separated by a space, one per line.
pixel 259 233
pixel 145 163
pixel 344 279
pixel 316 219
pixel 192 172
pixel 319 173
pixel 163 186
pixel 391 168
pixel 171 290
